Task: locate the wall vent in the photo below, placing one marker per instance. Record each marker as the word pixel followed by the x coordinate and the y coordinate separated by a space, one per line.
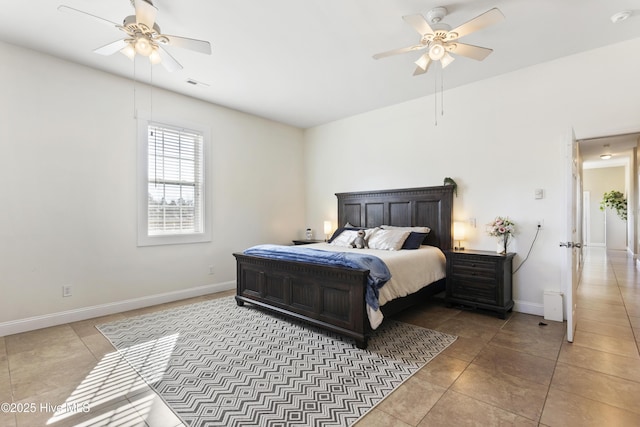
pixel 195 82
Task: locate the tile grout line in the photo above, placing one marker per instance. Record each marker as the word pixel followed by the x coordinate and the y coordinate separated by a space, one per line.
pixel 624 304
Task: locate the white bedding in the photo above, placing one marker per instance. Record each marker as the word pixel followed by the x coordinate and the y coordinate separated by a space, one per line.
pixel 411 270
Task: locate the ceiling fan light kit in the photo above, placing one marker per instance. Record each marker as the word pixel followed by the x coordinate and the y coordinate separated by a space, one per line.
pixel 440 40
pixel 144 36
pixel 436 50
pixel 143 46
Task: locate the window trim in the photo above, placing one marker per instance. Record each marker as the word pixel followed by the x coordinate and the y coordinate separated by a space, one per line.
pixel 142 191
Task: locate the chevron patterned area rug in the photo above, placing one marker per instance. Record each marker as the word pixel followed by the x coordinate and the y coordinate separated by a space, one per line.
pixel 217 364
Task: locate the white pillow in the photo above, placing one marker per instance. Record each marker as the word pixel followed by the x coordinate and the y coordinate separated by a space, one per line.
pixel 369 231
pixel 416 229
pixel 388 240
pixel 345 239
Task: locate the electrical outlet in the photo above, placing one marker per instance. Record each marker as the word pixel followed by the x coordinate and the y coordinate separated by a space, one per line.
pixel 66 291
pixel 472 222
pixel 211 270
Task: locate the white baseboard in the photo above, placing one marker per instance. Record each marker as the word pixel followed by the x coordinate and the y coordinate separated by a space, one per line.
pixel 84 313
pixel 528 308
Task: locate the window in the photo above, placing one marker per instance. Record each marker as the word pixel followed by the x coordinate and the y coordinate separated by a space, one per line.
pixel 172 205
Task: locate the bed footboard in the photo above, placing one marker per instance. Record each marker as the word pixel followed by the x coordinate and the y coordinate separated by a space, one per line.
pixel 332 298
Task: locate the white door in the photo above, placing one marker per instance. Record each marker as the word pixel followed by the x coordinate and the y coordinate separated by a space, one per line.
pixel 573 231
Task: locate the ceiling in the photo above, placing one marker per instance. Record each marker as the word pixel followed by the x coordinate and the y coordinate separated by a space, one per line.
pixel 306 63
pixel 619 146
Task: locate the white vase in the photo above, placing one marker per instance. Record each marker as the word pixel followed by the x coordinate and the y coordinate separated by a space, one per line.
pixel 501 247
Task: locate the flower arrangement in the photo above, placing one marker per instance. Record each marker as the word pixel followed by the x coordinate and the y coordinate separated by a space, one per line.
pixel 502 227
pixel 615 200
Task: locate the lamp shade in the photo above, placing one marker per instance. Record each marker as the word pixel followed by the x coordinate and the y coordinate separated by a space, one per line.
pixel 446 59
pixel 143 46
pixel 459 230
pixel 436 50
pixel 327 227
pixel 155 58
pixel 129 51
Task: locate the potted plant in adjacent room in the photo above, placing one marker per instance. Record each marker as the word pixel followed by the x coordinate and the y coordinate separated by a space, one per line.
pixel 615 200
pixel 503 228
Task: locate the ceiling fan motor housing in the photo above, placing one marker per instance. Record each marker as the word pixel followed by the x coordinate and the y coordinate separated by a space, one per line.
pixel 436 15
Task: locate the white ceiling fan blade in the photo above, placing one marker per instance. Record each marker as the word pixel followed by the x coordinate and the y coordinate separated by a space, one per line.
pixel 398 51
pixel 201 46
pixel 419 23
pixel 168 61
pixel 490 17
pixel 423 64
pixel 145 13
pixel 470 51
pixel 71 10
pixel 111 48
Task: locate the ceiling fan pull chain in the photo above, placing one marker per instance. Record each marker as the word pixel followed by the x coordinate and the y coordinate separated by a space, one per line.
pixel 151 92
pixel 435 98
pixel 442 92
pixel 135 103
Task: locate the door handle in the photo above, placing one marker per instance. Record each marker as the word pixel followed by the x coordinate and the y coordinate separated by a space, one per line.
pixel 570 245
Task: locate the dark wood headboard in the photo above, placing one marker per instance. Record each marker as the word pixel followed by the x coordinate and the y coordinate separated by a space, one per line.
pixel 424 206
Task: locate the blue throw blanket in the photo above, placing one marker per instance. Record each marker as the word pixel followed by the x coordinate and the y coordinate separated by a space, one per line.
pixel 378 272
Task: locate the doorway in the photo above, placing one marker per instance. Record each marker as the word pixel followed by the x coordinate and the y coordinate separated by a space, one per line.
pixel 604 228
pixel 583 155
pixel 610 163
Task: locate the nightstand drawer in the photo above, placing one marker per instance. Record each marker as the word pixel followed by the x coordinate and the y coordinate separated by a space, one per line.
pixel 474 268
pixel 475 273
pixel 476 291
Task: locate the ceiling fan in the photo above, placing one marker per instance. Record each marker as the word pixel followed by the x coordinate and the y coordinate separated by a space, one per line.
pixel 440 40
pixel 143 36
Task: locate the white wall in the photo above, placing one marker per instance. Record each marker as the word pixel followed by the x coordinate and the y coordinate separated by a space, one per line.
pixel 68 173
pixel 67 163
pixel 500 139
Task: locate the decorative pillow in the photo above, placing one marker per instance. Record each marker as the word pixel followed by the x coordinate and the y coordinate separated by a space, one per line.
pixel 415 240
pixel 345 238
pixel 339 231
pixel 336 233
pixel 411 242
pixel 416 229
pixel 388 240
pixel 369 231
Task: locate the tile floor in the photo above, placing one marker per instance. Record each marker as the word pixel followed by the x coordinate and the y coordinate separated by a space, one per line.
pixel 499 372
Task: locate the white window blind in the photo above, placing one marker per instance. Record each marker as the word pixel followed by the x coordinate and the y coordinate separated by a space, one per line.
pixel 174 166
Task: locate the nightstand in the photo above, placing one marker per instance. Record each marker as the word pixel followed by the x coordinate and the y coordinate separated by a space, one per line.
pixel 306 242
pixel 480 279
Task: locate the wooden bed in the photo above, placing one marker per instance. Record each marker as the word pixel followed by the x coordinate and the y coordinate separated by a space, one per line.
pixel 331 297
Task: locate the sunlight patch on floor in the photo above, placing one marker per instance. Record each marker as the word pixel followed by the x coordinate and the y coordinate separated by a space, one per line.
pixel 118 375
